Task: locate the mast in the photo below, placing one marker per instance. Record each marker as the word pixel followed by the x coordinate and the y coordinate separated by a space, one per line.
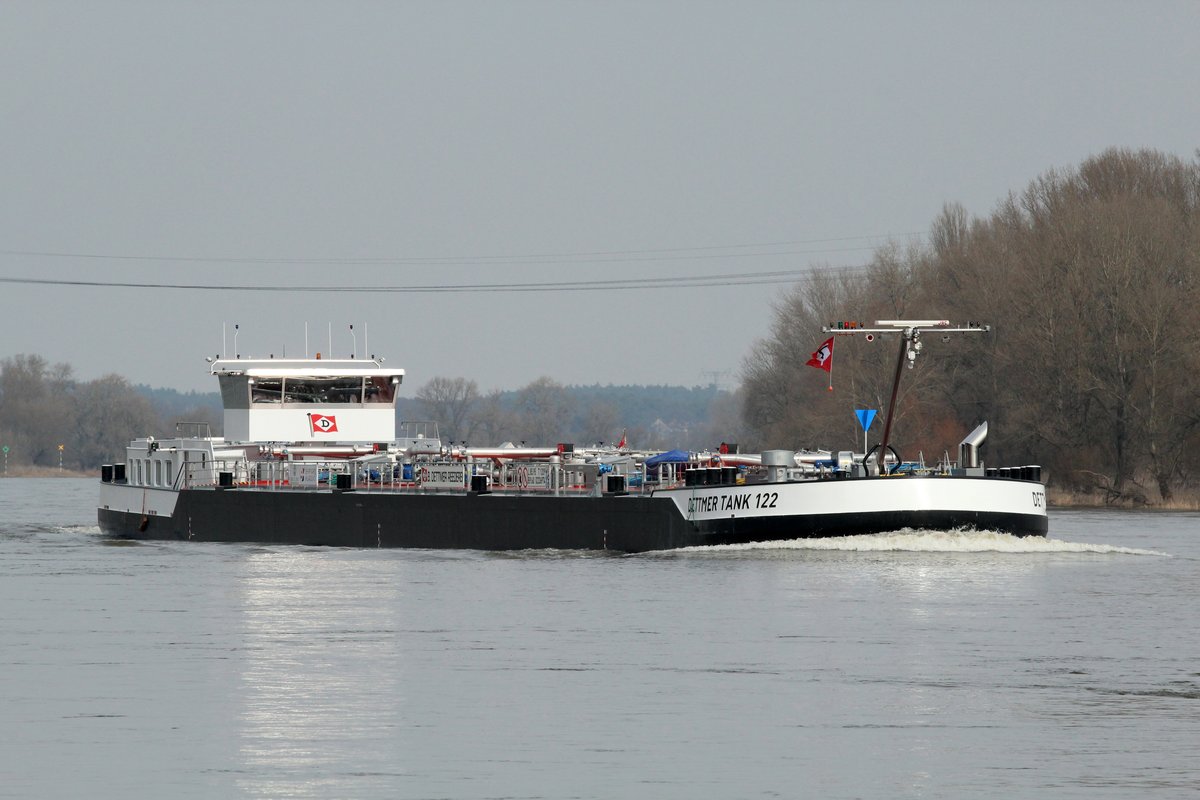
pixel 910 347
pixel 887 423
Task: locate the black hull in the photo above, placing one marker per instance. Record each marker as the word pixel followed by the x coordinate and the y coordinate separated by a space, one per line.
pixel 496 522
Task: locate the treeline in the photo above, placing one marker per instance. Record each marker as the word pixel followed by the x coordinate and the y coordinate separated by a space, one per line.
pixel 174 406
pixel 545 411
pixel 1090 278
pixel 43 406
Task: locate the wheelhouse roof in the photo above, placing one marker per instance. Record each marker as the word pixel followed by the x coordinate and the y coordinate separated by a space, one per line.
pixel 303 368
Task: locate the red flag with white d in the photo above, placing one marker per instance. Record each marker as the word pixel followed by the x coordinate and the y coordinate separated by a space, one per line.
pixel 823 357
pixel 323 423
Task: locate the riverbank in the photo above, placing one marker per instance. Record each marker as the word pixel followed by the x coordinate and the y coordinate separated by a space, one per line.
pixel 26 471
pixel 1182 500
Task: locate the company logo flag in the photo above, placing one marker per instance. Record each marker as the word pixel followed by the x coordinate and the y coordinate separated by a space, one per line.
pixel 621 444
pixel 823 357
pixel 322 423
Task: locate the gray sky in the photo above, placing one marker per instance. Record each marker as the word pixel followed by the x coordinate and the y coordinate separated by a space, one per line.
pixel 408 144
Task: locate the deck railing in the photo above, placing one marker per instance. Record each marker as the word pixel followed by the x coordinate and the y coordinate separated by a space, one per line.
pixel 386 476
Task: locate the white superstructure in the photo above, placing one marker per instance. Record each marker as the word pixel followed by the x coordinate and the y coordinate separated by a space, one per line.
pixel 308 400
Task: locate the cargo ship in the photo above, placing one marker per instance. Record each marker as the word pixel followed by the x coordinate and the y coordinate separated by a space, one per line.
pixel 312 454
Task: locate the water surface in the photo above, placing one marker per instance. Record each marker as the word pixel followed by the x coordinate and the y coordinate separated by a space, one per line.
pixel 918 664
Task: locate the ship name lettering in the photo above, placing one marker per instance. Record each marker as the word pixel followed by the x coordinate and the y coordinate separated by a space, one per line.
pixel 735 502
pixel 718 502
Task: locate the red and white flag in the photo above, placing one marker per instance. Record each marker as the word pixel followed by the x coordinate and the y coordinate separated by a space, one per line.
pixel 823 357
pixel 621 444
pixel 323 423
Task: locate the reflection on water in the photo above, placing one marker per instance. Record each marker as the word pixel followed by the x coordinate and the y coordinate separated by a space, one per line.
pixel 322 678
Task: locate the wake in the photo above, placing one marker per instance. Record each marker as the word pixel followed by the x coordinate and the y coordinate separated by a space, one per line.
pixel 75 529
pixel 926 541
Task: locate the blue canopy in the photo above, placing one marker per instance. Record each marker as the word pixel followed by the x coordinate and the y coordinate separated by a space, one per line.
pixel 671 456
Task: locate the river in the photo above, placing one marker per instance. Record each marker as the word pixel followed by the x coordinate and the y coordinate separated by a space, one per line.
pixel 914 665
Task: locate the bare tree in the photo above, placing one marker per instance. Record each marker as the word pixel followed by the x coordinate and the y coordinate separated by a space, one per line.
pixel 600 423
pixel 36 407
pixel 490 421
pixel 544 411
pixel 449 401
pixel 109 413
pixel 1091 279
pixel 1091 276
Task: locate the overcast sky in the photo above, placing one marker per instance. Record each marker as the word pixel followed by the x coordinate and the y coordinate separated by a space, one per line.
pixel 371 145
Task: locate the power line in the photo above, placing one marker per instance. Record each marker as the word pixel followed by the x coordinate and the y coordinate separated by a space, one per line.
pixel 696 281
pixel 582 257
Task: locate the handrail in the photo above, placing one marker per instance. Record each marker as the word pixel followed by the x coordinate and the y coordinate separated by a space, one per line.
pixel 196 427
pixel 365 476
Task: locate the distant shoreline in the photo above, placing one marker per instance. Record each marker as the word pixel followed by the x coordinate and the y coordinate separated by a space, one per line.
pixel 25 471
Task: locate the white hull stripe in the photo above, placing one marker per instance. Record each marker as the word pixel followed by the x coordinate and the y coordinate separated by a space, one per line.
pixel 861 496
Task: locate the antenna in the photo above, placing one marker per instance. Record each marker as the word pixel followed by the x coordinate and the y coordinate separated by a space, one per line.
pixel 354 340
pixel 236 354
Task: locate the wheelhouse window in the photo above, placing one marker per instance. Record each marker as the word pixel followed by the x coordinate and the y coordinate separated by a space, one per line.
pixel 323 390
pixel 266 391
pixel 380 389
